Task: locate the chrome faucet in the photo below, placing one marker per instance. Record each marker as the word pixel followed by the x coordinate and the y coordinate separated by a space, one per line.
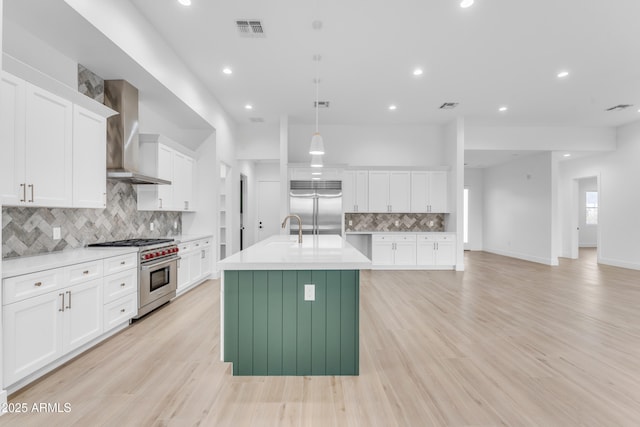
pixel 284 224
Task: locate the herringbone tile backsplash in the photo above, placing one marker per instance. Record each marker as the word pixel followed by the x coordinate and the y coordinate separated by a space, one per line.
pixel 387 222
pixel 28 231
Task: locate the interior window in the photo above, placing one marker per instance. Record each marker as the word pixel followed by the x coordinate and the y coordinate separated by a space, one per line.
pixel 591 207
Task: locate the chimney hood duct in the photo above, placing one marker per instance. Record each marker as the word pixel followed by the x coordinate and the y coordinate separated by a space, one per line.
pixel 122 134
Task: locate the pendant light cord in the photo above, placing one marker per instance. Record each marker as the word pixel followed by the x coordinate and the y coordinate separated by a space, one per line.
pixel 317 87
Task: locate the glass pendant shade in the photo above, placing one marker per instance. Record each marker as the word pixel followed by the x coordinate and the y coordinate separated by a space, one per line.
pixel 317 145
pixel 316 161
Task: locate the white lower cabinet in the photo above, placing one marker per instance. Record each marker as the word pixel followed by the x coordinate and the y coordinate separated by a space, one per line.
pixel 394 249
pixel 49 314
pixel 195 263
pixel 438 250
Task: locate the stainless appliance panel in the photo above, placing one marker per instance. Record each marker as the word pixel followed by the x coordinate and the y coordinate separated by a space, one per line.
pixel 301 203
pixel 329 212
pixel 158 284
pixel 319 208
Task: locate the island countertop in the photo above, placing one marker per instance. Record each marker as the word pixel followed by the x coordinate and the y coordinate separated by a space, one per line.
pixel 282 252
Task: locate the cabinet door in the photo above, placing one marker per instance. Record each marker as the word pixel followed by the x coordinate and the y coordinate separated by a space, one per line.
pixel 419 191
pixel 445 253
pixel 205 261
pixel 12 184
pixel 89 159
pixel 405 253
pixel 378 191
pixel 182 182
pixel 165 171
pixel 400 191
pixel 48 149
pixel 195 266
pixel 349 192
pixel 438 190
pixel 184 276
pixel 362 191
pixel 82 314
pixel 32 335
pixel 426 253
pixel 382 253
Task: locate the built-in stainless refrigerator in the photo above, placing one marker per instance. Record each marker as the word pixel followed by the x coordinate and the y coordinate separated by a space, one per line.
pixel 319 205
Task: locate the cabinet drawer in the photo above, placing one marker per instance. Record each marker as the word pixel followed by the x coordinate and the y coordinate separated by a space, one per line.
pixel 29 285
pixel 185 247
pixel 120 263
pixel 205 242
pixel 394 237
pixel 120 311
pixel 83 272
pixel 436 238
pixel 120 284
pixel 382 238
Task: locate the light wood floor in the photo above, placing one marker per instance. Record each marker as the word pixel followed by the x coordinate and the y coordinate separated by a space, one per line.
pixel 506 343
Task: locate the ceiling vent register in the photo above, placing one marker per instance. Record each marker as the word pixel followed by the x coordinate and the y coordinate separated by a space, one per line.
pixel 321 104
pixel 256 119
pixel 250 28
pixel 619 107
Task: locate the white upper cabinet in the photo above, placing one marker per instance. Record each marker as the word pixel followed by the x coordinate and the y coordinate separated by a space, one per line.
pixel 429 191
pixel 162 161
pixel 389 191
pixel 53 152
pixel 355 191
pixel 89 159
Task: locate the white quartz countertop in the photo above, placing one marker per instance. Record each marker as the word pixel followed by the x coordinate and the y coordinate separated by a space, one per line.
pixel 190 237
pixel 31 264
pixel 282 252
pixel 400 232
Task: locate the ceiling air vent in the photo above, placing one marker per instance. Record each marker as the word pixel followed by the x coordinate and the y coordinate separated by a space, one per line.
pixel 619 107
pixel 256 119
pixel 448 105
pixel 250 28
pixel 321 104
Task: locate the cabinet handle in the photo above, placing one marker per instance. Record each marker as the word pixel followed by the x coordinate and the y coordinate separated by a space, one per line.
pixel 123 262
pixel 186 205
pixel 31 186
pixel 85 272
pixel 202 254
pixel 160 202
pixel 104 199
pixel 62 306
pixel 69 306
pixel 24 192
pixel 122 285
pixel 37 284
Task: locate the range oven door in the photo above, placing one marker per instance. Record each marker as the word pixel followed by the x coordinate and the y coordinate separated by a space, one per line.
pixel 157 280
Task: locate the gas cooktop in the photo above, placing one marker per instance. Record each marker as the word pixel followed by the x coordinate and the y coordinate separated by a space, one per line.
pixel 131 242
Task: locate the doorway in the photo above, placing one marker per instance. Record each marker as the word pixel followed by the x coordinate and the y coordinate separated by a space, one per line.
pixel 268 209
pixel 586 207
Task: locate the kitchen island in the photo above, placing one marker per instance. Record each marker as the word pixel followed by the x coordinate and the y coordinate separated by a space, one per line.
pixel 292 309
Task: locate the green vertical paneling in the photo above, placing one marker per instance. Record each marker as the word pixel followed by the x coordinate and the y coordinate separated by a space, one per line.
pixel 271 330
pixel 260 301
pixel 274 324
pixel 319 323
pixel 289 322
pixel 231 318
pixel 245 323
pixel 348 332
pixel 333 323
pixel 304 326
pixel 356 308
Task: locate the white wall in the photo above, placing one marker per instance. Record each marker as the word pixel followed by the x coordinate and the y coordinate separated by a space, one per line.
pixel 474 181
pixel 539 138
pixel 3 393
pixel 587 236
pixel 618 219
pixel 518 209
pixel 258 142
pixel 371 145
pixel 453 151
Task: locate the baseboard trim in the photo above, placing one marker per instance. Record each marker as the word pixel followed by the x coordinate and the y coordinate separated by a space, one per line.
pixel 619 263
pixel 525 257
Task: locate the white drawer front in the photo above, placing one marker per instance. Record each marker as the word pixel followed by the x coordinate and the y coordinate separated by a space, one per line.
pixel 185 247
pixel 83 272
pixel 382 238
pixel 394 237
pixel 30 285
pixel 120 311
pixel 404 238
pixel 120 263
pixel 205 242
pixel 120 284
pixel 436 238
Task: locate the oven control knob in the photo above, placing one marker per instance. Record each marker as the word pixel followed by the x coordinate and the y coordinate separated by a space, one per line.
pixel 164 252
pixel 148 256
pixel 158 253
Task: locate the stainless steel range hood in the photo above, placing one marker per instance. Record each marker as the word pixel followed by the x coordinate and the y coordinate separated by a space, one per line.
pixel 122 134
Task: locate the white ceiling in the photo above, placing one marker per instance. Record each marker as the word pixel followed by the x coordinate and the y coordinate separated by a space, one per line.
pixel 498 52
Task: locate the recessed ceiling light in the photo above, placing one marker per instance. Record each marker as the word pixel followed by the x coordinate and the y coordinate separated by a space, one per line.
pixel 466 3
pixel 563 74
pixel 185 2
pixel 393 107
pixel 248 107
pixel 417 72
pixel 567 155
pixel 503 109
pixel 227 70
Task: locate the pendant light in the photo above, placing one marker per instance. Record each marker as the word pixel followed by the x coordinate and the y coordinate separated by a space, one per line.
pixel 316 161
pixel 317 145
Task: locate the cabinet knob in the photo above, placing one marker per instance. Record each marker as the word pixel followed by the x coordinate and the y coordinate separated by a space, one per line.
pixel 123 262
pixel 37 284
pixel 122 310
pixel 122 285
pixel 85 272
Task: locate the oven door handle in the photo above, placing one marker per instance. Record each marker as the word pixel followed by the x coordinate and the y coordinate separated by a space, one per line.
pixel 164 261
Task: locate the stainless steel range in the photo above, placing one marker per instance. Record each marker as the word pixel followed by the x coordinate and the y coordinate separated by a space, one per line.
pixel 157 272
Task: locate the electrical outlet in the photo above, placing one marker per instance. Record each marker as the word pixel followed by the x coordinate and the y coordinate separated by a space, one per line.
pixel 175 225
pixel 309 292
pixel 56 233
pixel 151 226
pixel 397 223
pixel 350 223
pixel 430 224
